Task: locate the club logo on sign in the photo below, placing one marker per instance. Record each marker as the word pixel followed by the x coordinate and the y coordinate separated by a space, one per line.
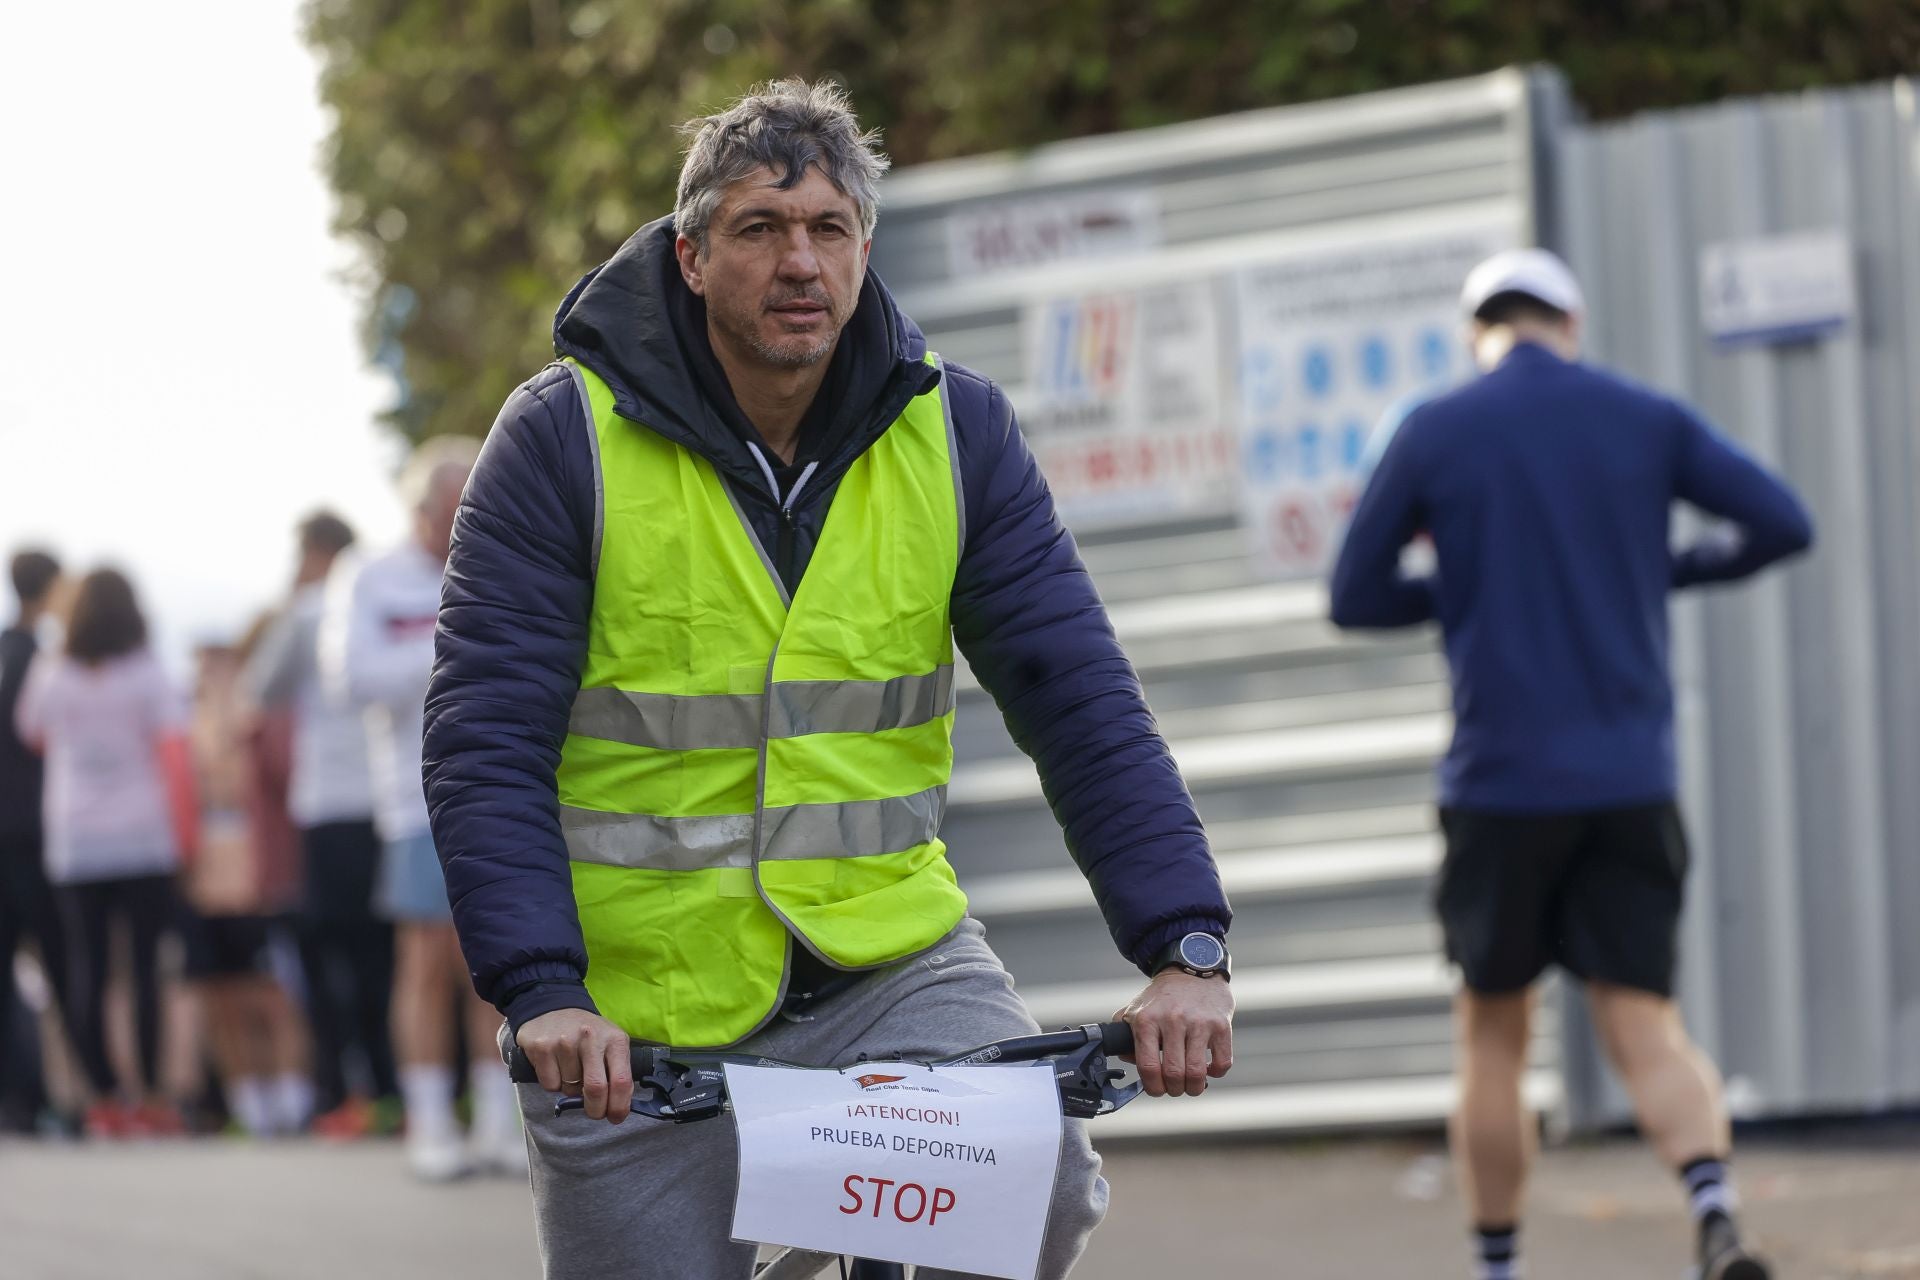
pixel 873 1080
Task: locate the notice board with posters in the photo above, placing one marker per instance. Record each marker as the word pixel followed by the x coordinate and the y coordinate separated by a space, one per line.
pixel 1199 326
pixel 1334 346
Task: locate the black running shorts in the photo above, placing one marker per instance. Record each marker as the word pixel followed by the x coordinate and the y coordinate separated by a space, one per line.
pixel 1597 893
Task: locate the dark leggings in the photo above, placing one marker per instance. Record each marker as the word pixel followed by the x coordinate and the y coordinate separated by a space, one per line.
pixel 26 912
pixel 347 952
pixel 146 903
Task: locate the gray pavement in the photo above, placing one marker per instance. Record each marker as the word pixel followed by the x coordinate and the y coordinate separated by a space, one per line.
pixel 1831 1204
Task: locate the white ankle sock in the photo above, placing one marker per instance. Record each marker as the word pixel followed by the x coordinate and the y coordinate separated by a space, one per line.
pixel 248 1102
pixel 426 1089
pixel 292 1102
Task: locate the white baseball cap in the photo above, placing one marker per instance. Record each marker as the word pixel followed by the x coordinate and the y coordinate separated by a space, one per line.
pixel 1534 272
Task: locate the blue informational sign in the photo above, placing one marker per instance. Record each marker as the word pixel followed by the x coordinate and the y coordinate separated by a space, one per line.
pixel 1329 344
pixel 1790 288
pixel 1376 362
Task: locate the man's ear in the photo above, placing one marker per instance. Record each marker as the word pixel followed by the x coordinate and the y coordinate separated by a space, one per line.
pixel 690 266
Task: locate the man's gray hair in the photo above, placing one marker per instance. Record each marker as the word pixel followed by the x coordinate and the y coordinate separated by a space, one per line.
pixel 787 127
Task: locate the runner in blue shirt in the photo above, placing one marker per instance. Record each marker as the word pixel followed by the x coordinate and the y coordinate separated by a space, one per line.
pixel 1547 488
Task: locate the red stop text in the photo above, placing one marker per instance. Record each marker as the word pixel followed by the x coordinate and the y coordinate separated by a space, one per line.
pixel 903 1201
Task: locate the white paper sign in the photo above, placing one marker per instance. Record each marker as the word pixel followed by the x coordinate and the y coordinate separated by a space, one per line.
pixel 948 1167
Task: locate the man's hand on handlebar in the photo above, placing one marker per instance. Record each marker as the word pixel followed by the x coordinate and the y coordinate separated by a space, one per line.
pixel 1182 1032
pixel 584 1056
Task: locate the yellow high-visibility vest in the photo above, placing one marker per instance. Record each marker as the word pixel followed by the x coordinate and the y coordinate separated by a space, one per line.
pixel 744 772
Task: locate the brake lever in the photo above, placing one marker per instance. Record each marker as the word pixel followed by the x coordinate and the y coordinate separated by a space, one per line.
pixel 675 1091
pixel 1089 1086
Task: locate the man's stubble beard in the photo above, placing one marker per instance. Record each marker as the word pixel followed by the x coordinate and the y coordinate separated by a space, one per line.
pixel 789 359
pixel 748 334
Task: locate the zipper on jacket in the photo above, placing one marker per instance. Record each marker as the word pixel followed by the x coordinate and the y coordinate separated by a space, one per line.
pixel 783 555
pixel 787 543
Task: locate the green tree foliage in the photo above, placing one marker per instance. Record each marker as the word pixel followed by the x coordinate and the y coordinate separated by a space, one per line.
pixel 487 152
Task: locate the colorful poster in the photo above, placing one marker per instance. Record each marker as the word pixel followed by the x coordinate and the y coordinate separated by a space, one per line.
pixel 1124 402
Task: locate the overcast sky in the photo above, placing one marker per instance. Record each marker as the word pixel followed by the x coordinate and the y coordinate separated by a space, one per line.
pixel 183 376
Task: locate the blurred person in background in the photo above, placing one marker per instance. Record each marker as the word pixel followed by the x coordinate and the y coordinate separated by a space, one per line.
pixel 377 644
pixel 1547 487
pixel 236 886
pixel 120 815
pixel 27 911
pixel 346 946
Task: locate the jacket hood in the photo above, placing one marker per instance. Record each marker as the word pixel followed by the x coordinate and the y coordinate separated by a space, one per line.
pixel 633 321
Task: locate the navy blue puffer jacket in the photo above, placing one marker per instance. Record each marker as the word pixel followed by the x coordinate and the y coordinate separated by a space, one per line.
pixel 519 589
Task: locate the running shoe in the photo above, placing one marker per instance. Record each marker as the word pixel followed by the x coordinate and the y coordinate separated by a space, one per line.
pixel 352 1119
pixel 156 1120
pixel 1723 1257
pixel 108 1119
pixel 437 1158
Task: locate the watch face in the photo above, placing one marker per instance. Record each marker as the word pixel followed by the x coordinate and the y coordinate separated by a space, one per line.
pixel 1202 951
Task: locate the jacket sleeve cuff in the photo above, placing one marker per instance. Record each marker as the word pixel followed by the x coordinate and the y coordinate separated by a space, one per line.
pixel 529 1000
pixel 1156 939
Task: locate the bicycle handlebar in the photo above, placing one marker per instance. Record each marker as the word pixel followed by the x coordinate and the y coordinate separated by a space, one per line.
pixel 691 1084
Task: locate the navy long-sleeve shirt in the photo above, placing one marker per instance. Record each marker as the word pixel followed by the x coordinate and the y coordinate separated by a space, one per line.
pixel 1547 487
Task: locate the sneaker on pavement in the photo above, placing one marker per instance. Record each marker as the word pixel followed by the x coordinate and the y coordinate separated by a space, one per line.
pixel 159 1120
pixel 436 1159
pixel 108 1120
pixel 389 1116
pixel 351 1119
pixel 1723 1257
pixel 1734 1264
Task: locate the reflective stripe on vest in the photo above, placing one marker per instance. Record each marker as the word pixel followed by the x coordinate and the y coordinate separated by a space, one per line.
pixel 673 722
pixel 742 769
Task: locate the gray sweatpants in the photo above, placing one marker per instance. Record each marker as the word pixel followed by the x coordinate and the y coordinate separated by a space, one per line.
pixel 645 1200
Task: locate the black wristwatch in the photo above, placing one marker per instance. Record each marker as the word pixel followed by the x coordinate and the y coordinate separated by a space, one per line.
pixel 1200 954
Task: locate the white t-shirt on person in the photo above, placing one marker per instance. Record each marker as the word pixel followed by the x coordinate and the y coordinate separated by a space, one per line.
pixel 105 799
pixel 376 652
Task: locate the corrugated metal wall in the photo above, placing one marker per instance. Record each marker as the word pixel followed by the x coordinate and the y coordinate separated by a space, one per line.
pixel 1800 693
pixel 1310 756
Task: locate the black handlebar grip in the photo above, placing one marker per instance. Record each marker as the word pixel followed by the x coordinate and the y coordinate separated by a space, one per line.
pixel 1116 1037
pixel 646 1059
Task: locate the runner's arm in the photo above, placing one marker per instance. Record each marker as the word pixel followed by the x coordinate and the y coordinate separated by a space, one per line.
pixel 1768 521
pixel 1369 588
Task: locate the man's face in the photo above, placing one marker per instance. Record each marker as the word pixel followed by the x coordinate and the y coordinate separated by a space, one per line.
pixel 781 272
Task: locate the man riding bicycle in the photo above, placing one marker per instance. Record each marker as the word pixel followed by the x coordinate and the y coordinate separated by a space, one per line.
pixel 689 732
